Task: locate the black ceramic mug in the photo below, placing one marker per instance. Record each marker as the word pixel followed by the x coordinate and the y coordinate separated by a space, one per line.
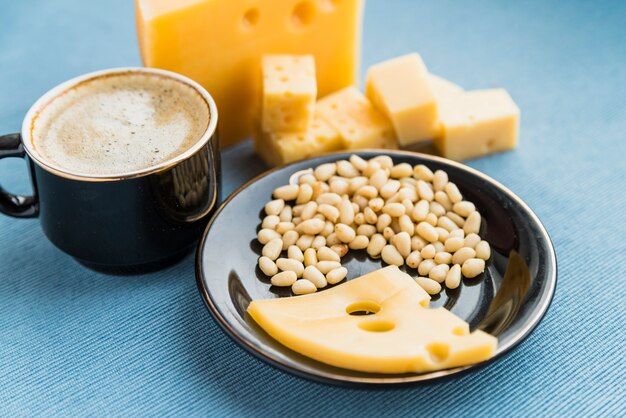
pixel 135 221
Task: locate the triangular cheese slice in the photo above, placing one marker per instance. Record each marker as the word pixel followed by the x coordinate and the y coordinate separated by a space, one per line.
pixel 402 335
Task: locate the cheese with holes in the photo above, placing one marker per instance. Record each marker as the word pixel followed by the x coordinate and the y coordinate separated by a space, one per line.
pixel 289 92
pixel 443 88
pixel 402 335
pixel 401 89
pixel 477 123
pixel 282 148
pixel 219 43
pixel 356 120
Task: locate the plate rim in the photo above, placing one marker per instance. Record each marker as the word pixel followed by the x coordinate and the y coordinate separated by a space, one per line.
pixel 374 381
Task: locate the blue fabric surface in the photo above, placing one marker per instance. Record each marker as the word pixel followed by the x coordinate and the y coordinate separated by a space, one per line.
pixel 75 342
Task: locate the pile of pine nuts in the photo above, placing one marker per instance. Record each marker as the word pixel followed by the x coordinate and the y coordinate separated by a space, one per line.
pixel 400 213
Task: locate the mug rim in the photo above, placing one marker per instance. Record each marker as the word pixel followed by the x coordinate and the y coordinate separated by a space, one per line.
pixel 46 98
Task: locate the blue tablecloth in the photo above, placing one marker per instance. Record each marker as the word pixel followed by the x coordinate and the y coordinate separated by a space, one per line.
pixel 75 342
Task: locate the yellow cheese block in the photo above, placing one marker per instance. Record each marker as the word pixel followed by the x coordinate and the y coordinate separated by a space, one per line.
pixel 401 336
pixel 477 123
pixel 283 148
pixel 356 120
pixel 289 92
pixel 443 88
pixel 219 43
pixel 401 89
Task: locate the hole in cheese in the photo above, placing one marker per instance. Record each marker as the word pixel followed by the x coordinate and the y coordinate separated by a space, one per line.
pixel 376 325
pixel 303 13
pixel 460 331
pixel 284 79
pixel 250 18
pixel 363 308
pixel 438 351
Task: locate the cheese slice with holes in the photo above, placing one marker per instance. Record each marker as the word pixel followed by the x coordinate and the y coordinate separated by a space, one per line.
pixel 359 124
pixel 401 335
pixel 477 123
pixel 289 92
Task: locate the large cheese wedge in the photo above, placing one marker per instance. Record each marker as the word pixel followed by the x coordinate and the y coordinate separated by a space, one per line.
pixel 357 121
pixel 219 43
pixel 401 336
pixel 477 123
pixel 401 89
pixel 278 148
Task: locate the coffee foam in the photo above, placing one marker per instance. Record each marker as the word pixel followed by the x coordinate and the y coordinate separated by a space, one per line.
pixel 120 123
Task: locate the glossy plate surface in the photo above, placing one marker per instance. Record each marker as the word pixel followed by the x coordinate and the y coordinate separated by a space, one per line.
pixel 508 300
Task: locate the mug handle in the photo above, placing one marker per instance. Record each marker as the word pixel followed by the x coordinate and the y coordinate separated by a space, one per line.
pixel 10 204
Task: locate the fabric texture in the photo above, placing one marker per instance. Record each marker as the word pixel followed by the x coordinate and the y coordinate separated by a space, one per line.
pixel 74 342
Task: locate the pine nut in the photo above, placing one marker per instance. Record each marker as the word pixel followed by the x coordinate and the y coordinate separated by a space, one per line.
pixel 340 186
pixel 425 266
pixel 388 233
pixel 311 226
pixel 346 169
pixel 283 279
pixel 383 222
pixel 457 233
pixel 446 223
pixel 340 249
pixel 401 170
pixel 390 188
pixel 424 191
pixel 336 275
pixel 307 179
pixel 458 220
pixel 414 259
pixel 417 243
pixel 464 208
pixel 283 227
pixel 462 255
pixel 431 219
pixel 318 242
pixel 267 266
pixel 367 230
pixel 406 224
pixel 356 183
pixel 286 264
pixel 443 257
pixel 483 250
pixel 440 179
pixel 421 172
pixel 471 240
pixel 371 168
pixel 286 214
pixel 344 233
pixel 346 212
pixel 326 254
pixel 379 178
pixel 368 192
pixel 439 247
pixel 326 266
pixel 303 287
pixel 402 241
pixel 294 253
pixel 443 199
pixel 290 238
pixel 420 211
pixel 273 207
pixel 390 255
pixel 361 203
pixel 325 171
pixel 408 205
pixel 330 212
pixel 319 188
pixel 305 241
pixel 427 231
pixel 428 251
pixel 377 242
pixel 376 204
pixel 329 227
pixel 453 192
pixel 394 209
pixel 309 211
pixel 273 249
pixel 442 233
pixel 310 257
pixel 472 267
pixel 453 278
pixel 437 209
pixel 385 161
pixel 288 192
pixel 439 272
pixel 332 199
pixel 270 222
pixel 359 219
pixel 304 194
pixel 370 216
pixel 266 235
pixel 429 285
pixel 358 162
pixel 472 223
pixel 332 240
pixel 312 274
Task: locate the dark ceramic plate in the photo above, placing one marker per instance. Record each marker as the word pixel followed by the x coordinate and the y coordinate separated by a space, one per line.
pixel 508 300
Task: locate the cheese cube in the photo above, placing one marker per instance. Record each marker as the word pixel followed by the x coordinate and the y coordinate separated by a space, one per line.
pixel 284 148
pixel 401 89
pixel 402 335
pixel 443 88
pixel 356 120
pixel 477 123
pixel 219 44
pixel 289 92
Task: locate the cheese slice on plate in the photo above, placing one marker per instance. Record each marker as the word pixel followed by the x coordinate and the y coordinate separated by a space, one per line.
pixel 399 333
